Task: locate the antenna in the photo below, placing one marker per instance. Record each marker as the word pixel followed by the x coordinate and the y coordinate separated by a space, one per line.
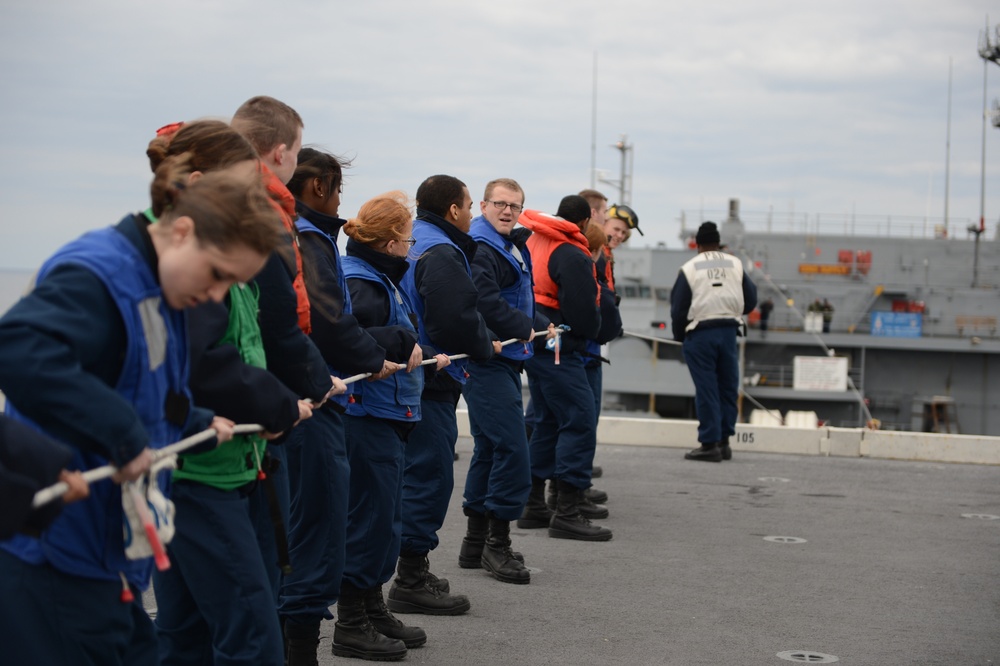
pixel 624 182
pixel 593 131
pixel 989 51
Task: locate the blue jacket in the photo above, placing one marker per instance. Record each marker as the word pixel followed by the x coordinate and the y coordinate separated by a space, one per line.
pixel 440 288
pixel 506 297
pixel 151 384
pixel 398 396
pixel 345 346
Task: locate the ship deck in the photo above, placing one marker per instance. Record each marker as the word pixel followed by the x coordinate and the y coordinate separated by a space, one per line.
pixel 897 564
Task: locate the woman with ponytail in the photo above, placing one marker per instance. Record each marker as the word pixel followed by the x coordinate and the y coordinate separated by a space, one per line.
pixel 217 597
pixel 96 356
pixel 378 422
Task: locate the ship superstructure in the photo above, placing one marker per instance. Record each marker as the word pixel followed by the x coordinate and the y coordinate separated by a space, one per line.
pixel 915 310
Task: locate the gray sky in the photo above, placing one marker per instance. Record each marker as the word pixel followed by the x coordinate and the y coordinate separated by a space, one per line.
pixel 799 107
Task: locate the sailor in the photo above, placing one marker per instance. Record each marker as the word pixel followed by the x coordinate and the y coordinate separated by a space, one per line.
pixel 707 303
pixel 318 468
pixel 564 438
pixel 440 289
pixel 499 478
pixel 97 356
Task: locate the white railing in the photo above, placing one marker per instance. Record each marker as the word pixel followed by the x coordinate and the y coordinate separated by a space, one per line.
pixel 837 224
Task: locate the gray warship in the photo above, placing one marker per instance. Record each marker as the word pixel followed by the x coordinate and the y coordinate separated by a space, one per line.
pixel 915 307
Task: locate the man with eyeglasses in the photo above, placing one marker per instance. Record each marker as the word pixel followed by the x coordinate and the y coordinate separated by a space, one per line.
pixel 440 289
pixel 499 478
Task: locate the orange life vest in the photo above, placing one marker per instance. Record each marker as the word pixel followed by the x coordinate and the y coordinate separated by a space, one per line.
pixel 284 203
pixel 548 233
pixel 609 267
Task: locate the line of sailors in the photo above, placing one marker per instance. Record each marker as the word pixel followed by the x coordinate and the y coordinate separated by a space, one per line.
pixel 197 313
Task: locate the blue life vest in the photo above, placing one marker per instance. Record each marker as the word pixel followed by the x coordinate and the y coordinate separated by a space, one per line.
pixel 519 295
pixel 396 397
pixel 428 236
pixel 88 539
pixel 305 226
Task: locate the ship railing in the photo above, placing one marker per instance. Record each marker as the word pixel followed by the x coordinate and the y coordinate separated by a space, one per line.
pixel 838 224
pixel 782 376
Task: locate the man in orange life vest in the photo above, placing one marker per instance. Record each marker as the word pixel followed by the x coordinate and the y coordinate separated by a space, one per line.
pixel 275 131
pixel 565 436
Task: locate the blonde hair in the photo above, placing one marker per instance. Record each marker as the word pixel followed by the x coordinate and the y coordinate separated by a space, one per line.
pixel 380 219
pixel 508 183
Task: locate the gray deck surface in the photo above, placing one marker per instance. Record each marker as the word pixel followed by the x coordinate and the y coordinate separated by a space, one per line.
pixel 890 573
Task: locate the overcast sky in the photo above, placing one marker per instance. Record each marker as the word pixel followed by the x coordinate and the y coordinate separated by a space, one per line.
pixel 798 107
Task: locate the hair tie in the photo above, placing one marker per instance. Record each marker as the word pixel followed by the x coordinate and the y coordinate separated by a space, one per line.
pixel 169 130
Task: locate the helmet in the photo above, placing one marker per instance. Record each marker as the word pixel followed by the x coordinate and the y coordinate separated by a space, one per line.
pixel 627 215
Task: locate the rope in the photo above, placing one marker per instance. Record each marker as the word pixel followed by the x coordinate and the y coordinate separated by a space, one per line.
pixel 57 490
pixel 432 361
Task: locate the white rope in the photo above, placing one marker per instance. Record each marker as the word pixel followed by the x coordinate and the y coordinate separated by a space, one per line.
pixel 57 490
pixel 432 361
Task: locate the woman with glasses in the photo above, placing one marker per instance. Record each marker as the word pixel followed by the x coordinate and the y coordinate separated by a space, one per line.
pixel 318 468
pixel 378 423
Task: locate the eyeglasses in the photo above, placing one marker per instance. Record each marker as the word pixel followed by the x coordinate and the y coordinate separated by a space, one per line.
pixel 500 205
pixel 411 241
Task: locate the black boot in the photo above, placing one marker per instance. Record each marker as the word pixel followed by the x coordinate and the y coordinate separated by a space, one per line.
pixel 355 636
pixel 536 515
pixel 550 495
pixel 727 453
pixel 414 591
pixel 592 510
pixel 597 472
pixel 569 523
pixel 498 559
pixel 706 453
pixel 301 643
pixel 471 554
pixel 475 536
pixel 596 496
pixel 388 624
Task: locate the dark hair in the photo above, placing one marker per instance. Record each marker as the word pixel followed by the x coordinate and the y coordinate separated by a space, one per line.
pixel 267 123
pixel 438 193
pixel 212 144
pixel 313 163
pixel 573 208
pixel 229 207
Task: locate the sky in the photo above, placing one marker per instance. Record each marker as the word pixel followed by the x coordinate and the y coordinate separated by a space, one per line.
pixel 800 109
